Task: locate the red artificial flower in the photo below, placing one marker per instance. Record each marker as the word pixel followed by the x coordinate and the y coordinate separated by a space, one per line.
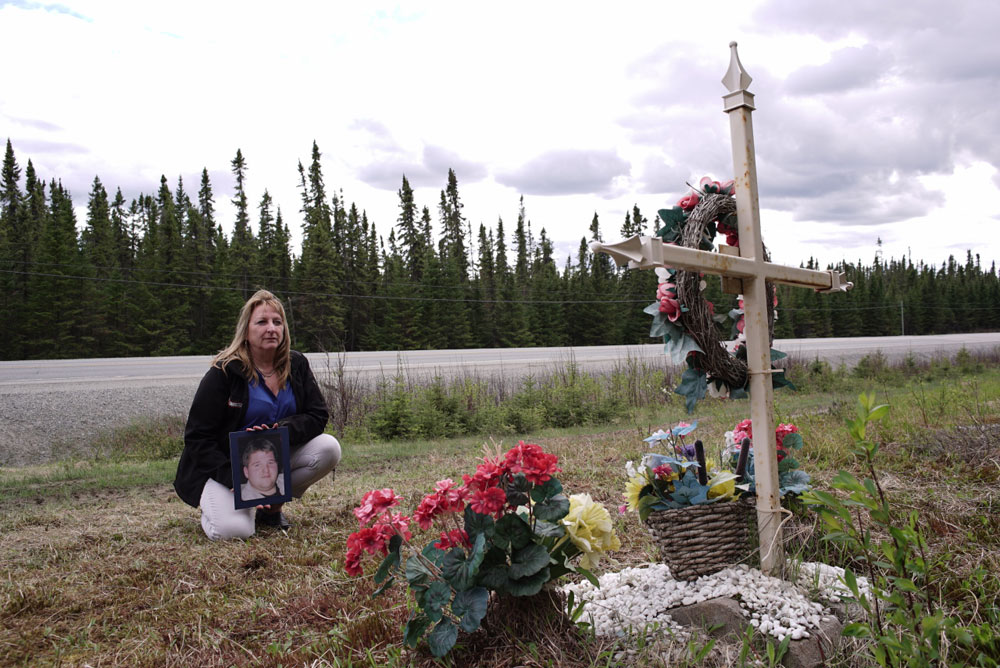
pixel 374 503
pixel 740 324
pixel 782 431
pixel 531 460
pixel 488 501
pixel 487 475
pixel 689 201
pixel 396 523
pixel 453 538
pixel 663 471
pixel 666 289
pixel 352 562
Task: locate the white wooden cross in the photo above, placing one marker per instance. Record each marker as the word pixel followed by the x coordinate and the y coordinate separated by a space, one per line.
pixel 751 268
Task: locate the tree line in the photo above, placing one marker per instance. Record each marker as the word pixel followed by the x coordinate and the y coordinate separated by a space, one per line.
pixel 158 275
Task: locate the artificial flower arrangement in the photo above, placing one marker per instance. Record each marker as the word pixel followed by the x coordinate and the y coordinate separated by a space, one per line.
pixel 678 479
pixel 688 329
pixel 509 528
pixel 791 479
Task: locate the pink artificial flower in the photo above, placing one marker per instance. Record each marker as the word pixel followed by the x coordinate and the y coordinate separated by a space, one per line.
pixel 666 289
pixel 487 475
pixel 622 509
pixel 689 201
pixel 374 503
pixel 711 307
pixel 352 562
pixel 740 324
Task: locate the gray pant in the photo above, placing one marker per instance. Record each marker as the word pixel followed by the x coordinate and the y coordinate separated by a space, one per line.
pixel 309 464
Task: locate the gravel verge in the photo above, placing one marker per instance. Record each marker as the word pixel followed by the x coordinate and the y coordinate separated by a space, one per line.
pixel 40 425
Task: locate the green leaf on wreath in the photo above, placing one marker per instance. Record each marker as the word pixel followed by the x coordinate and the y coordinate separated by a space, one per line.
pixel 442 638
pixel 436 597
pixel 658 327
pixel 777 355
pixel 738 393
pixel 674 331
pixel 476 523
pixel 512 532
pixel 528 586
pixel 675 215
pixel 653 309
pixel 416 625
pixel 470 607
pixel 694 385
pixel 778 380
pixel 552 509
pixel 546 490
pixel 527 561
pixel 678 349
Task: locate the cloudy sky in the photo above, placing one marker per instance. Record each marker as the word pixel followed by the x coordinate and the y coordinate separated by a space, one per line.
pixel 874 119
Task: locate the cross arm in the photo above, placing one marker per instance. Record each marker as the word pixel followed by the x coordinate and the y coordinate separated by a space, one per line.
pixel 639 252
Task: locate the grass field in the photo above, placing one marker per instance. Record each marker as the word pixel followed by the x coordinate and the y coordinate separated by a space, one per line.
pixel 104 566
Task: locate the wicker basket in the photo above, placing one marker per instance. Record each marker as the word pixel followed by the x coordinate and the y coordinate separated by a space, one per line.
pixel 701 539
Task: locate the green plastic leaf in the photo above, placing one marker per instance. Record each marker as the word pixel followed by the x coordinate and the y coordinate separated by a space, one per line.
pixel 645 506
pixel 417 573
pixel 517 490
pixel 459 569
pixel 470 607
pixel 777 355
pixel 678 349
pixel 694 385
pixel 494 577
pixel 416 625
pixel 547 490
pixel 549 529
pixel 778 380
pixel 512 532
pixel 792 441
pixel 528 586
pixel 436 597
pixel 552 509
pixel 385 585
pixel 590 576
pixel 793 482
pixel 653 309
pixel 391 560
pixel 528 561
pixel 442 638
pixel 476 523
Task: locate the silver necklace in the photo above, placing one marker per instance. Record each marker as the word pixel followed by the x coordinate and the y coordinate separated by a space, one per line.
pixel 266 375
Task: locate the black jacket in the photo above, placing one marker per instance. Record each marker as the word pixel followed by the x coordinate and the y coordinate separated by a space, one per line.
pixel 220 407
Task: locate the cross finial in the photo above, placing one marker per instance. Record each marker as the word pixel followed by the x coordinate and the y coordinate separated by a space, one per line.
pixel 736 82
pixel 736 78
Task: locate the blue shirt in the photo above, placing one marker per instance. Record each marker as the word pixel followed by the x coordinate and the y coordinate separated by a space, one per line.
pixel 265 408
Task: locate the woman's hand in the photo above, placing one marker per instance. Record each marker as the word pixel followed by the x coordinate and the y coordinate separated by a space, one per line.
pixel 261 427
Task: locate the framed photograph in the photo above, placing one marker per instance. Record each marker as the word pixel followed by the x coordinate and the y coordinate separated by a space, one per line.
pixel 261 467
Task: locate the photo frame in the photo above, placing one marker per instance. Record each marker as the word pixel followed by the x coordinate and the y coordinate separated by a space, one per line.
pixel 261 463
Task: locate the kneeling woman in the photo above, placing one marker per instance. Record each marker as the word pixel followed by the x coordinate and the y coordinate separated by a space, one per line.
pixel 256 383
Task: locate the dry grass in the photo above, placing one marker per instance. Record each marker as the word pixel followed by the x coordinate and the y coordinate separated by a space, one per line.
pixel 123 576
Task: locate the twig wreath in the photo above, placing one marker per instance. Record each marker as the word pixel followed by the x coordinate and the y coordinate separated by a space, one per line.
pixel 685 319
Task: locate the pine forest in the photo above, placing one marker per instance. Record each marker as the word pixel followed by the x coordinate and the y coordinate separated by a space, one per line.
pixel 158 275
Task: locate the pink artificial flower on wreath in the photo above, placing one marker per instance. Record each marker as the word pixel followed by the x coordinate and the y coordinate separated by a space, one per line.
pixel 529 459
pixel 689 201
pixel 666 294
pixel 374 503
pixel 741 324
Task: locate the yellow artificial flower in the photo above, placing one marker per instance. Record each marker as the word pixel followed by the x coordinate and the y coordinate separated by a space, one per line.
pixel 589 526
pixel 722 484
pixel 632 489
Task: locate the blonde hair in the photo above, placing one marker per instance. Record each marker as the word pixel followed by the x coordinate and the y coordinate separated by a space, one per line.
pixel 239 349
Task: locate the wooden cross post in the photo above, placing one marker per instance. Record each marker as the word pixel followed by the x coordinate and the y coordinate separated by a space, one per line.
pixel 751 269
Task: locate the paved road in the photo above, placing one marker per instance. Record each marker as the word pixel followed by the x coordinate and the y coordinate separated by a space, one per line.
pixel 50 409
pixel 141 371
